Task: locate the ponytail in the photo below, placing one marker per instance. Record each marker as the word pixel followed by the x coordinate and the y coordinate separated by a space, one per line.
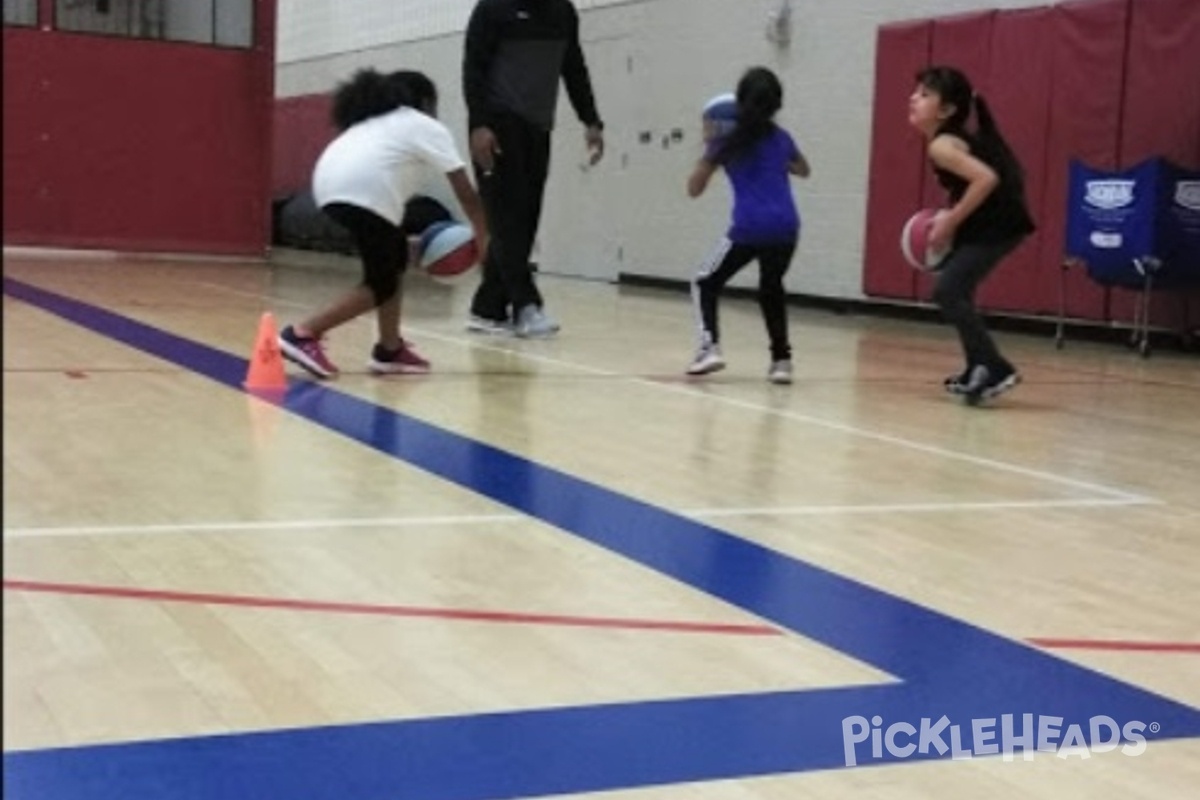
pixel 993 142
pixel 751 126
pixel 955 90
pixel 759 98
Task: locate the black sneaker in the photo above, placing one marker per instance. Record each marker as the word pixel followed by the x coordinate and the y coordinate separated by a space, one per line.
pixel 978 378
pixel 957 384
pixel 1001 378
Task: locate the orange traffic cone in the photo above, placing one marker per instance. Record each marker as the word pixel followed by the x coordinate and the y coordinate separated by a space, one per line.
pixel 266 362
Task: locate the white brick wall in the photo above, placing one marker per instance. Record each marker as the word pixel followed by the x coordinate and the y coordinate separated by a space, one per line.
pixel 310 29
pixel 315 28
pixel 655 62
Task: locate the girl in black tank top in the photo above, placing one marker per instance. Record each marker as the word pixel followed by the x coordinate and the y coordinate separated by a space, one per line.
pixel 1003 213
pixel 985 218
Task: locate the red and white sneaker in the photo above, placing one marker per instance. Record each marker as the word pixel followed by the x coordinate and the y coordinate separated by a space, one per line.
pixel 404 360
pixel 307 352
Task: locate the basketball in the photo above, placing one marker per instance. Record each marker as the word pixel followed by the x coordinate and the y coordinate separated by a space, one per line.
pixel 914 241
pixel 448 250
pixel 719 116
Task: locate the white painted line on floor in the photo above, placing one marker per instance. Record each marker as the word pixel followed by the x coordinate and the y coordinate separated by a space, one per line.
pixel 904 508
pixel 981 461
pixel 410 522
pixel 264 526
pixel 898 441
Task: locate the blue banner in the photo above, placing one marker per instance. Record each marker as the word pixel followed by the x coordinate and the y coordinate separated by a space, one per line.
pixel 1119 221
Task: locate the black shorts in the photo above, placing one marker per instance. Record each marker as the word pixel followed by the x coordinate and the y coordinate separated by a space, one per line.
pixel 382 246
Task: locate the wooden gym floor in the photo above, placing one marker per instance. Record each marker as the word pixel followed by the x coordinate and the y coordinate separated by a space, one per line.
pixel 559 568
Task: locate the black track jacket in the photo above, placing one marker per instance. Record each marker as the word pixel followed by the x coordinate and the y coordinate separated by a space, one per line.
pixel 516 52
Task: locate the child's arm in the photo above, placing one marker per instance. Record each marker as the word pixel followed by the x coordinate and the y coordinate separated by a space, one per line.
pixel 701 175
pixel 952 154
pixel 799 166
pixel 472 206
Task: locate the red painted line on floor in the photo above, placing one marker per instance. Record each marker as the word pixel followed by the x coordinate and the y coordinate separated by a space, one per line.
pixel 385 610
pixel 509 617
pixel 75 372
pixel 1131 647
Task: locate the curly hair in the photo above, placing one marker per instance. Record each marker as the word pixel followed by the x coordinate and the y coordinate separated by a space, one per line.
pixel 370 93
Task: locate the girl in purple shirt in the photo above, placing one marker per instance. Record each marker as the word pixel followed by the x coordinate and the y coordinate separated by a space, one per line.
pixel 758 158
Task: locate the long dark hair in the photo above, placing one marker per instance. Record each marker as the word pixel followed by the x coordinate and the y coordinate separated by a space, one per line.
pixel 759 98
pixel 370 93
pixel 954 89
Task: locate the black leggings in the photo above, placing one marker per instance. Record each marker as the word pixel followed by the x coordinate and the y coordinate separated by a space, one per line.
pixel 954 292
pixel 382 246
pixel 729 259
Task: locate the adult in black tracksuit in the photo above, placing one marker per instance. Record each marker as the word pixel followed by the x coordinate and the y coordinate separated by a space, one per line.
pixel 516 52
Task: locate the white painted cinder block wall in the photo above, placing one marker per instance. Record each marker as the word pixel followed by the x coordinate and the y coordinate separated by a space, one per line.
pixel 654 64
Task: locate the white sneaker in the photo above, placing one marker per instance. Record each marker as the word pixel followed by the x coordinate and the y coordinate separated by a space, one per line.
pixel 492 327
pixel 780 372
pixel 707 360
pixel 532 323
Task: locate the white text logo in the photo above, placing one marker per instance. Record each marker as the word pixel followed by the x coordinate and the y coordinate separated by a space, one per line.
pixel 985 737
pixel 1187 194
pixel 1109 194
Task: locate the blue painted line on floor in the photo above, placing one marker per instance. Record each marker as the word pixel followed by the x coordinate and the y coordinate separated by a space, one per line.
pixel 944 667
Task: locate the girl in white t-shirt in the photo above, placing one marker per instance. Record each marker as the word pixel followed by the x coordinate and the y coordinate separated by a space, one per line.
pixel 389 138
